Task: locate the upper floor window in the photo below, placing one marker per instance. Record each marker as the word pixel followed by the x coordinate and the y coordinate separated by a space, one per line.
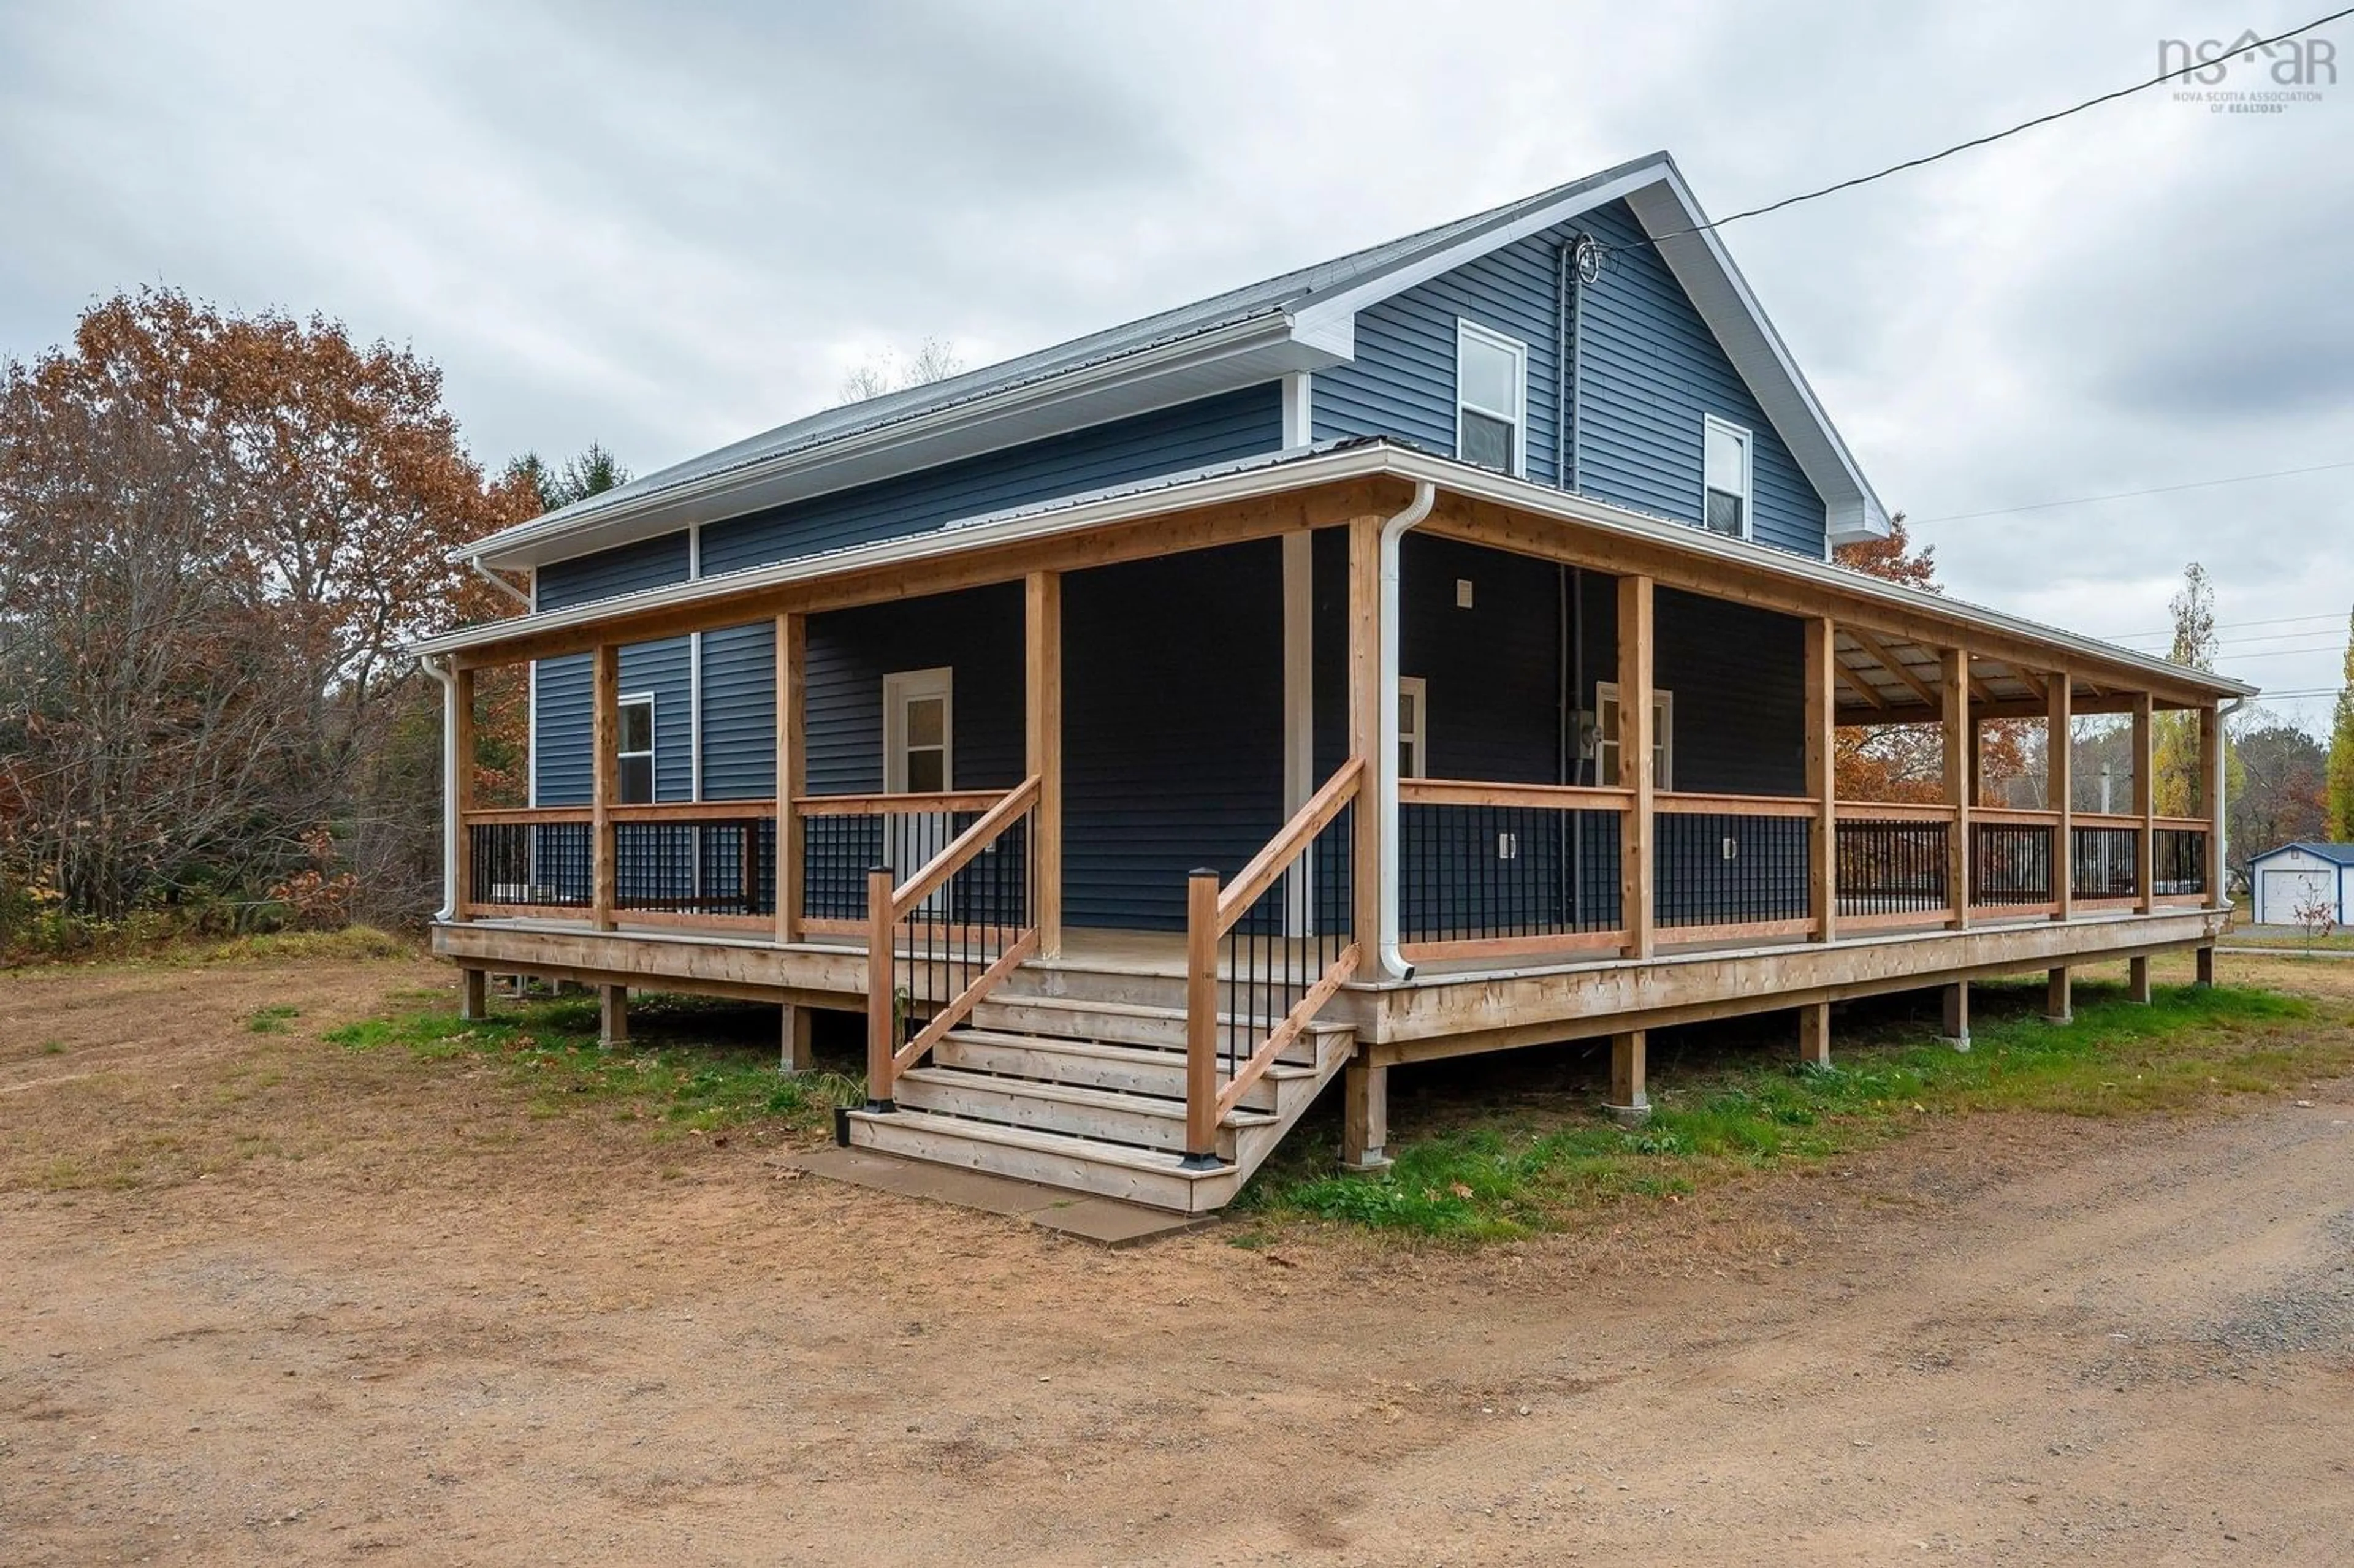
pixel 635 751
pixel 1727 459
pixel 1492 399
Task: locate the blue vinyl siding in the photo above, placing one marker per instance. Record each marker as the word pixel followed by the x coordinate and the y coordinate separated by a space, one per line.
pixel 561 762
pixel 1171 738
pixel 1168 440
pixel 977 634
pixel 1652 371
pixel 739 713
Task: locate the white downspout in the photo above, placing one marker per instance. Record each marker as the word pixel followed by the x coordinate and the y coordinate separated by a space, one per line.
pixel 499 582
pixel 438 669
pixel 1385 757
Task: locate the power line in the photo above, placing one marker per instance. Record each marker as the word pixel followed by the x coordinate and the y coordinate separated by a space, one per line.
pixel 2128 495
pixel 2162 77
pixel 2228 626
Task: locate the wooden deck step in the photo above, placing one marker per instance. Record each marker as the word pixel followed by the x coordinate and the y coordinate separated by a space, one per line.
pixel 1124 1023
pixel 1138 1070
pixel 1108 1116
pixel 1151 1176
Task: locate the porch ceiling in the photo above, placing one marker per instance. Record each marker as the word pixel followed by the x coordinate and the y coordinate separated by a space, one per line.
pixel 1892 680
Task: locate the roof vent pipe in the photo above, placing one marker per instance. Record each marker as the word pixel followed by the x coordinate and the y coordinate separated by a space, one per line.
pixel 1385 759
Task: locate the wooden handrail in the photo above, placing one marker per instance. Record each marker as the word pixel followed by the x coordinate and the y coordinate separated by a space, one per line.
pixel 893 805
pixel 1893 811
pixel 2105 820
pixel 1480 792
pixel 960 849
pixel 2015 816
pixel 1236 898
pixel 527 816
pixel 2184 824
pixel 694 812
pixel 1666 802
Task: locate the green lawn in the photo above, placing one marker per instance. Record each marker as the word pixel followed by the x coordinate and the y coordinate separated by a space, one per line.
pixel 1493 1171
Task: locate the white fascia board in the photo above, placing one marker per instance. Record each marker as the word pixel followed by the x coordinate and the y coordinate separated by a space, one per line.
pixel 1705 269
pixel 1254 478
pixel 1333 319
pixel 1240 354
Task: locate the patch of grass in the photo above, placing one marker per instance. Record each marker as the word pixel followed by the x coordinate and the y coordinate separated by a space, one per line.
pixel 351 942
pixel 53 1047
pixel 1503 1176
pixel 273 1020
pixel 677 1072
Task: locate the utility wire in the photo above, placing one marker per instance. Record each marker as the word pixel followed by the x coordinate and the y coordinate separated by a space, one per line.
pixel 2159 80
pixel 2128 495
pixel 2231 626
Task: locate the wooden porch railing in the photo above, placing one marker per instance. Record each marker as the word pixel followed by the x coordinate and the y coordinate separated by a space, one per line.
pixel 945 937
pixel 1286 930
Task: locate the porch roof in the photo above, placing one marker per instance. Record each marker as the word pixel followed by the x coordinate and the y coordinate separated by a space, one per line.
pixel 1887 643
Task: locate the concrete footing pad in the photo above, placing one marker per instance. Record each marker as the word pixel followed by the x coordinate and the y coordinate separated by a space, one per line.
pixel 1107 1222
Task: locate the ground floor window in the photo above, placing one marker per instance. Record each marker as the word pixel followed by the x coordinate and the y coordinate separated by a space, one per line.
pixel 635 749
pixel 918 731
pixel 1414 711
pixel 1605 736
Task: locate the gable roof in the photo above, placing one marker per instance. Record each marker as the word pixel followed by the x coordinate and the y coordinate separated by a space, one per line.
pixel 2339 854
pixel 1302 320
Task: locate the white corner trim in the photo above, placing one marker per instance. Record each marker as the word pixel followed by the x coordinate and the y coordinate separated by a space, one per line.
pixel 1299 410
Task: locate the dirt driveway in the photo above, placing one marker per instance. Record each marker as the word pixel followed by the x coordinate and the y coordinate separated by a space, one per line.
pixel 342 1306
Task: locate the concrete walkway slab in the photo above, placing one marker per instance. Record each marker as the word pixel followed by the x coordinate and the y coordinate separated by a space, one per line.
pixel 1107 1222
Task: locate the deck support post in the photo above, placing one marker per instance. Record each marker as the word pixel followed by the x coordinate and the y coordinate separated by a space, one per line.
pixel 2059 997
pixel 2137 980
pixel 1202 1020
pixel 1961 757
pixel 1365 1115
pixel 462 779
pixel 882 994
pixel 2206 960
pixel 2145 805
pixel 1956 1025
pixel 1815 1035
pixel 1041 711
pixel 474 996
pixel 2060 792
pixel 794 1054
pixel 1630 1104
pixel 1822 776
pixel 792 768
pixel 612 1016
pixel 605 778
pixel 1635 766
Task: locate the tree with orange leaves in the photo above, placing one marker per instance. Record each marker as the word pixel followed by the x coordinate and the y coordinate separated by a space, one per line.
pixel 1907 761
pixel 219 530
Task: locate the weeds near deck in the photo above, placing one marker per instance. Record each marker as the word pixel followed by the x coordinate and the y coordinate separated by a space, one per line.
pixel 1480 1175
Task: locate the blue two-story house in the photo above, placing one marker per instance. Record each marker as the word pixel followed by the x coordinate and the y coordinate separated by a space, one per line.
pixel 1436 649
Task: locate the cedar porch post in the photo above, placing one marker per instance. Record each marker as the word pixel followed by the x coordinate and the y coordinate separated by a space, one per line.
pixel 1822 782
pixel 2059 793
pixel 792 768
pixel 1953 669
pixel 882 994
pixel 1041 711
pixel 1634 771
pixel 461 742
pixel 2145 806
pixel 2213 774
pixel 604 789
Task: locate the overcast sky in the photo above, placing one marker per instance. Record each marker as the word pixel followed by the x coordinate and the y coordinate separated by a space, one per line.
pixel 664 228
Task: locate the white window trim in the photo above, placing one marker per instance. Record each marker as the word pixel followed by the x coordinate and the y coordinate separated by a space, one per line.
pixel 897 687
pixel 1418 738
pixel 1471 331
pixel 653 742
pixel 1663 712
pixel 1749 440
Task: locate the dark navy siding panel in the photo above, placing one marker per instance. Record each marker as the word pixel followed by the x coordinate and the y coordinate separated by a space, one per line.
pixel 649 563
pixel 1652 371
pixel 561 766
pixel 1172 717
pixel 739 713
pixel 1168 440
pixel 1739 679
pixel 560 772
pixel 978 633
pixel 1492 671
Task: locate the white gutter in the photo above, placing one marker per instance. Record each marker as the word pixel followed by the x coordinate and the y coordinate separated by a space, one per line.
pixel 450 828
pixel 500 583
pixel 1385 759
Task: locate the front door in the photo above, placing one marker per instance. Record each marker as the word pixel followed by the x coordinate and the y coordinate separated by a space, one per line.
pixel 918 758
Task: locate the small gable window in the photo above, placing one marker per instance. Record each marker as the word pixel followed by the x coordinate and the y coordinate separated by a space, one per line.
pixel 1726 458
pixel 1492 399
